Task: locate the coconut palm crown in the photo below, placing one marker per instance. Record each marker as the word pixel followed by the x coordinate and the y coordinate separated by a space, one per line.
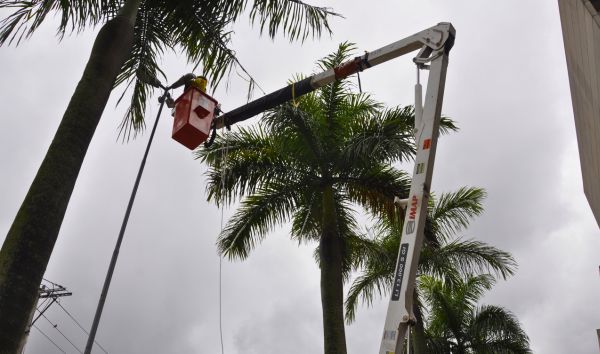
pixel 457 325
pixel 444 255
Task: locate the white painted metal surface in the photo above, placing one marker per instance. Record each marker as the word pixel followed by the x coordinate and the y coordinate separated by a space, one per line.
pixel 400 313
pixel 435 37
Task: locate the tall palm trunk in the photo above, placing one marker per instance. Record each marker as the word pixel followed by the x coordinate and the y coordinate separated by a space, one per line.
pixel 31 238
pixel 419 343
pixel 332 288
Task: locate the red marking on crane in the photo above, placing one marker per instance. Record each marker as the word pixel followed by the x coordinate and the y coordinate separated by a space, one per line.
pixel 346 69
pixel 426 144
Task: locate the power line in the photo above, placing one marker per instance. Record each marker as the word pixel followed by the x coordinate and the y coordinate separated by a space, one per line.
pixel 42 303
pixel 53 283
pixel 80 326
pixel 61 333
pixel 50 339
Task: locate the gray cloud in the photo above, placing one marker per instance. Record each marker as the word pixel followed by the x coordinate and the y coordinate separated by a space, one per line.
pixel 507 88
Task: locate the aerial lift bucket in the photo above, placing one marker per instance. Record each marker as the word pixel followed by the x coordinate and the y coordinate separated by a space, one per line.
pixel 194 113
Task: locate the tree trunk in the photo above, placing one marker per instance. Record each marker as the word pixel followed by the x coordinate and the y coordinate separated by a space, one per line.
pixel 332 288
pixel 31 238
pixel 419 342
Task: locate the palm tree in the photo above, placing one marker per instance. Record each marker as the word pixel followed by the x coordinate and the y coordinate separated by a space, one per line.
pixel 443 256
pixel 309 162
pixel 134 36
pixel 457 325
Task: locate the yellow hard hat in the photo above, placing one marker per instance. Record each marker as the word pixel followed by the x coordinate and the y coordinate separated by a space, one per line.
pixel 200 83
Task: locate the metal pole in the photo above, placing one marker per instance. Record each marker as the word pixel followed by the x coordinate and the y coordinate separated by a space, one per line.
pixel 115 255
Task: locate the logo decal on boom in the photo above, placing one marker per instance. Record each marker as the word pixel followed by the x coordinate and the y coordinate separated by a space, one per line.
pixel 412 213
pixel 399 272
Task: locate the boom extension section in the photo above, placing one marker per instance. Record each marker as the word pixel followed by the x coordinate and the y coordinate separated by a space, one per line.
pixel 436 38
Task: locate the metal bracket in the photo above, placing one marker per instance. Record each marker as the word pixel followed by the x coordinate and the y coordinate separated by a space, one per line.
pixel 439 37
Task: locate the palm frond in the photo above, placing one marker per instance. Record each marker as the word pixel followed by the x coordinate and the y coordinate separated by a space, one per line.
pixel 496 330
pixel 453 212
pixel 74 15
pixel 374 282
pixel 253 158
pixel 375 189
pixel 257 214
pixel 444 314
pixel 295 18
pixel 300 130
pixel 385 136
pixel 472 289
pixel 334 96
pixel 366 251
pixel 150 42
pixel 439 344
pixel 306 222
pixel 466 257
pixel 447 125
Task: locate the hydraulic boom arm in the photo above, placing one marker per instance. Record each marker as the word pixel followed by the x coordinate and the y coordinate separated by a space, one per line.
pixel 437 38
pixel 434 44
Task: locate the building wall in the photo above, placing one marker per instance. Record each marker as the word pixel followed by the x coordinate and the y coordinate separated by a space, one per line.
pixel 581 33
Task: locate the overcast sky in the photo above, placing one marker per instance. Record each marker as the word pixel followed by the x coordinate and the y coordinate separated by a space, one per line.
pixel 507 88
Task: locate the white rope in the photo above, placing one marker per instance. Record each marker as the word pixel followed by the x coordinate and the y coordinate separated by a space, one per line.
pixel 223 170
pixel 307 215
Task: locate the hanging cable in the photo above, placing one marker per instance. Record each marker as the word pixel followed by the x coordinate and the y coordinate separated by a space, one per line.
pixel 359 84
pixel 91 338
pixel 50 339
pixel 61 333
pixel 223 171
pixel 80 326
pixel 307 214
pixel 53 283
pixel 294 102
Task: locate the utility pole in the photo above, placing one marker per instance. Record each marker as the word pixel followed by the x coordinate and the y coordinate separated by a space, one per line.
pixel 50 294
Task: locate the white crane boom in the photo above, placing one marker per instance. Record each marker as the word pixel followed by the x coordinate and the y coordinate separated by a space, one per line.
pixel 427 121
pixel 434 44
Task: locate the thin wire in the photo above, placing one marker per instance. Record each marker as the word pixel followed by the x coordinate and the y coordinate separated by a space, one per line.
pixel 223 170
pixel 307 215
pixel 53 283
pixel 61 333
pixel 359 85
pixel 50 339
pixel 80 326
pixel 42 303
